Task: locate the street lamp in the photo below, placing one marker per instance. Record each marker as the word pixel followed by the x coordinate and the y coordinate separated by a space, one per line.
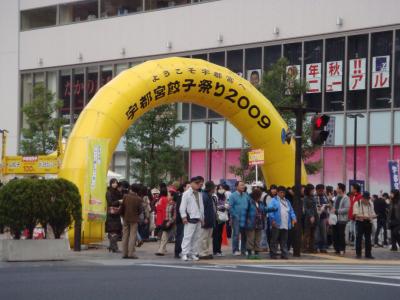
pixel 355 116
pixel 210 123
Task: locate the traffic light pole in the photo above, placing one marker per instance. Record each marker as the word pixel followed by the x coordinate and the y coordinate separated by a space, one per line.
pixel 299 112
pixel 298 203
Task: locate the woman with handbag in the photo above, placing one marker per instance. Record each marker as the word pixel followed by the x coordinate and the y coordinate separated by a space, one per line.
pixel 394 219
pixel 222 218
pixel 113 221
pixel 168 204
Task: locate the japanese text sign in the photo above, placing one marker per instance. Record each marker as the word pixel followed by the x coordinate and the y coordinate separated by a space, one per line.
pixel 334 76
pixel 357 74
pixel 256 157
pixel 313 78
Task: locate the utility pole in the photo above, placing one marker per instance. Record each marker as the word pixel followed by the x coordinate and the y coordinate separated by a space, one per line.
pixel 299 111
pixel 355 116
pixel 210 123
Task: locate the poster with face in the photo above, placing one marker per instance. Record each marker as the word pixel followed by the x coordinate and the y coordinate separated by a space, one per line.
pixel 254 76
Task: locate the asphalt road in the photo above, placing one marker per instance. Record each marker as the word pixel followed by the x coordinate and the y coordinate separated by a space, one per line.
pixel 130 280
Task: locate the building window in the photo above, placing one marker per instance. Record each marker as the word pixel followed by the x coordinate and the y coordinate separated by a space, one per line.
pixel 334 74
pixel 78 11
pixel 380 132
pixel 183 139
pixel 106 75
pixel 64 90
pixel 111 8
pixel 253 65
pixel 218 58
pixel 155 4
pixel 293 53
pixel 357 72
pixel 233 137
pixel 185 111
pixel 26 93
pixel 381 52
pixel 198 112
pixel 202 56
pixel 121 67
pixel 39 17
pixel 397 71
pixel 336 138
pixel 361 131
pixel 397 127
pixel 271 55
pixel 78 93
pixel 91 82
pixel 199 131
pixel 235 61
pixel 313 73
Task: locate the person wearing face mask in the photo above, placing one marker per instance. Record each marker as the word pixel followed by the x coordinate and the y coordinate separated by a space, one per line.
pixel 222 218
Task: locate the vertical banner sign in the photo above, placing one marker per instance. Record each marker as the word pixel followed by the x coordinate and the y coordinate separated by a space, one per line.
pixel 330 127
pixel 380 72
pixel 97 179
pixel 313 78
pixel 334 76
pixel 357 74
pixel 394 174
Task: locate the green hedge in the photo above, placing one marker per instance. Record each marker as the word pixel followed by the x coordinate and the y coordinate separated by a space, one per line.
pixel 26 202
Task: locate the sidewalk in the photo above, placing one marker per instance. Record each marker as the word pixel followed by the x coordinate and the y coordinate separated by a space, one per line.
pixel 147 252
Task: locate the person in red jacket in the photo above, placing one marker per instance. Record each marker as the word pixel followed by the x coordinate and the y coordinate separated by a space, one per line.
pixel 354 197
pixel 161 208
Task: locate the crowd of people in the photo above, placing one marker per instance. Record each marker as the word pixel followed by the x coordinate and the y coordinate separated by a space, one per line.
pixel 195 214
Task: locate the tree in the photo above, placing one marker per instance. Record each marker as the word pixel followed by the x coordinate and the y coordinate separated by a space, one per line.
pixel 63 205
pixel 149 143
pixel 39 136
pixel 246 172
pixel 24 203
pixel 283 89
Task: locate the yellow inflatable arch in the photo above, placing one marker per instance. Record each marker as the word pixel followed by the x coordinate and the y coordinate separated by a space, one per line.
pixel 135 91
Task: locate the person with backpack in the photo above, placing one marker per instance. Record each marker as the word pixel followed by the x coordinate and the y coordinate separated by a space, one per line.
pixel 363 213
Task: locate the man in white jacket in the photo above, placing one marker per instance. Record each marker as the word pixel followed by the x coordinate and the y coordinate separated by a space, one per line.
pixel 192 213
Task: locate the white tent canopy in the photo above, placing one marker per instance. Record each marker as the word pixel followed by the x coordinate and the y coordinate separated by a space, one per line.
pixel 111 174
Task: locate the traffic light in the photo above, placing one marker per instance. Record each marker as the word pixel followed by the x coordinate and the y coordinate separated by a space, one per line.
pixel 319 134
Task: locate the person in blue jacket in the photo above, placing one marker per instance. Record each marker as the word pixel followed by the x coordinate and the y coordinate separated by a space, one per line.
pixel 282 219
pixel 238 203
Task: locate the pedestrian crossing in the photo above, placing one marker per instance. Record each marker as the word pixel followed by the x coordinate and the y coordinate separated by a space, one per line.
pixel 378 271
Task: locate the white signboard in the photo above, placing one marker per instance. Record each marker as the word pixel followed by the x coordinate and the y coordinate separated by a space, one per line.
pixel 334 76
pixel 380 72
pixel 313 77
pixel 357 74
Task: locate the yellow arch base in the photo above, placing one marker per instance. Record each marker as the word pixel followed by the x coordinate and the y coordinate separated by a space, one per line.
pixel 135 91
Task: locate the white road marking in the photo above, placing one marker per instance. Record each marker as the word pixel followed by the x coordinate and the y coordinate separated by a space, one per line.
pixel 271 274
pixel 389 272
